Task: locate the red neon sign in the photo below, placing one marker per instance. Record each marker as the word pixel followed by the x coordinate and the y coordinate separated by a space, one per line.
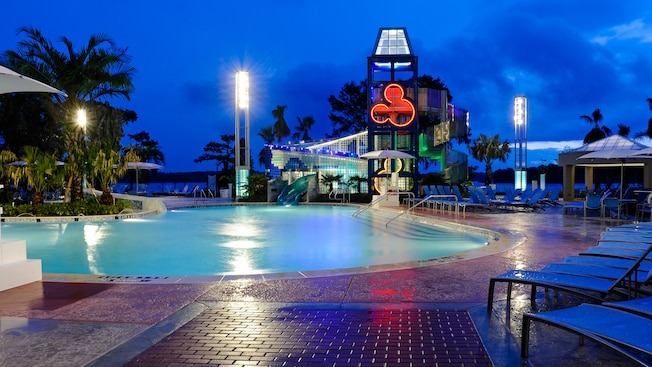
pixel 397 110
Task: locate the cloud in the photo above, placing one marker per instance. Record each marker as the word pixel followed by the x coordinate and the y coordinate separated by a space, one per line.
pixel 635 30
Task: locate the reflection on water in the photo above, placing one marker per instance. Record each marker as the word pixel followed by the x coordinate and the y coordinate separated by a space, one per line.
pixel 235 240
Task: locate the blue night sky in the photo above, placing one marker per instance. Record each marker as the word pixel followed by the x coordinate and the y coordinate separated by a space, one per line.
pixel 567 57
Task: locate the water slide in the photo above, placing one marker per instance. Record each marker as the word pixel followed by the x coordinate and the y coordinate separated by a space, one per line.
pixel 293 192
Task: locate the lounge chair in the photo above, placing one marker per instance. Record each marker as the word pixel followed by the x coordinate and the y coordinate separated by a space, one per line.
pixel 553 198
pixel 579 285
pixel 594 270
pixel 609 205
pixel 592 202
pixel 463 203
pixel 613 262
pixel 624 332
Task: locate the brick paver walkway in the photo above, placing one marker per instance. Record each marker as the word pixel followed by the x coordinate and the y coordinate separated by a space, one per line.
pixel 309 336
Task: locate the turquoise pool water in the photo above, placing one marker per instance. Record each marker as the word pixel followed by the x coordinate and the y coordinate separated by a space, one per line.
pixel 233 240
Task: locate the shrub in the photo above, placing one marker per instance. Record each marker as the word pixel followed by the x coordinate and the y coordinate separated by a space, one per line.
pixel 87 207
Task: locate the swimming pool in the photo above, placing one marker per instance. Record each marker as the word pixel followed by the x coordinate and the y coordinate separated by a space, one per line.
pixel 234 240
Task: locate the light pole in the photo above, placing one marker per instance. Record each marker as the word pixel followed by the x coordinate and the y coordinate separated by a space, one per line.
pixel 520 143
pixel 81 121
pixel 242 143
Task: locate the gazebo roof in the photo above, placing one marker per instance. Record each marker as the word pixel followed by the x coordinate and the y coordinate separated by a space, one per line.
pixel 612 142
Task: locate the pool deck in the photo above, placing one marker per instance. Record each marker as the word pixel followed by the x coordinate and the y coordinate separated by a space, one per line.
pixel 431 315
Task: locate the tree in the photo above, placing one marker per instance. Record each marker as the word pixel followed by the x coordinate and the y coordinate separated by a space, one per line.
pixel 427 81
pixel 108 165
pixel 146 149
pixel 647 132
pixel 267 134
pixel 99 71
pixel 356 181
pixel 623 130
pixel 329 180
pixel 304 126
pixel 488 149
pixel 38 170
pixel 281 129
pixel 349 109
pixel 597 132
pixel 223 153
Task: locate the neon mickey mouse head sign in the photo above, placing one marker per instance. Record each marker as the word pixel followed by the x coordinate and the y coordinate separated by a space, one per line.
pixel 396 109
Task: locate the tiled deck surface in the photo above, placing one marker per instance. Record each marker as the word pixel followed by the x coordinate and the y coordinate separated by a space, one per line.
pixel 426 316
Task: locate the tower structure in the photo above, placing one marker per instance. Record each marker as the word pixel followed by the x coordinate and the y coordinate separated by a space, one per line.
pixel 392 73
pixel 520 143
pixel 242 134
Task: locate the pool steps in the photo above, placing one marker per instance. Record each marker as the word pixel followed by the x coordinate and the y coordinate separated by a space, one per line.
pixel 15 268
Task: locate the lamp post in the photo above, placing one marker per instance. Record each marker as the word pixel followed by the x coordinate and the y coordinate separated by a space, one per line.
pixel 242 143
pixel 81 121
pixel 520 143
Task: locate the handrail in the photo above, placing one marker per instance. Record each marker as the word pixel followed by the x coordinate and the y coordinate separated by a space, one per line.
pixel 427 198
pixel 333 195
pixel 378 199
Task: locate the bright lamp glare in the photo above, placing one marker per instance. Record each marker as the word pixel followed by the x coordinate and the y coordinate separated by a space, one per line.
pixel 242 89
pixel 81 118
pixel 519 110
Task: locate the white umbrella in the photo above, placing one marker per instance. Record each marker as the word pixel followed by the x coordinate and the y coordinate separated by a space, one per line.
pixel 23 163
pixel 13 82
pixel 386 154
pixel 142 165
pixel 389 154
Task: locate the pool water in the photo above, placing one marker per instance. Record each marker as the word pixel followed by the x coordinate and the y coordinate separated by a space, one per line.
pixel 234 240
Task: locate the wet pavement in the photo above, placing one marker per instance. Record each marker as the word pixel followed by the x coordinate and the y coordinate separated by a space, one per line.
pixel 433 314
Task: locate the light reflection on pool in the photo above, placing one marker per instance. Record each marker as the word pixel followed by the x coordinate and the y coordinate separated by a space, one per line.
pixel 233 240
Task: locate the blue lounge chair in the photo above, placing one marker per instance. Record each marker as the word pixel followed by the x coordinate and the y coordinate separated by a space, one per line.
pixel 624 332
pixel 595 289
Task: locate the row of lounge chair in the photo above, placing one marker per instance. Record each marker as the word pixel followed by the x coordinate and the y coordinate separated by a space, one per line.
pixel 613 278
pixel 446 198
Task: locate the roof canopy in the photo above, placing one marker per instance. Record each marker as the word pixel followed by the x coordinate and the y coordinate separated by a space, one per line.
pixel 613 142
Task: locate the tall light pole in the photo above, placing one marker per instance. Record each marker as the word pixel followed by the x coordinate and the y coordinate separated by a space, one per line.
pixel 520 142
pixel 242 133
pixel 81 121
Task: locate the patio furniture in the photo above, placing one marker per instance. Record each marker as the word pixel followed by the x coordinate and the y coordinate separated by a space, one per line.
pixel 595 289
pixel 624 332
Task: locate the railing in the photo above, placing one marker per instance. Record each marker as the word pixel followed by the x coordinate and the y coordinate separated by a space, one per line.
pixel 372 203
pixel 451 199
pixel 410 195
pixel 346 195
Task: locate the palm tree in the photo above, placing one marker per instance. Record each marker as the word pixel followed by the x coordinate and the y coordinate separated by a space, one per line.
pixel 487 149
pixel 267 134
pixel 623 130
pixel 597 132
pixel 329 180
pixel 303 128
pixel 108 166
pixel 281 129
pixel 6 170
pixel 647 132
pixel 357 181
pixel 39 167
pixel 97 72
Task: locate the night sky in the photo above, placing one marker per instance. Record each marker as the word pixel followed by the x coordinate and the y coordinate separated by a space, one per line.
pixel 567 57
